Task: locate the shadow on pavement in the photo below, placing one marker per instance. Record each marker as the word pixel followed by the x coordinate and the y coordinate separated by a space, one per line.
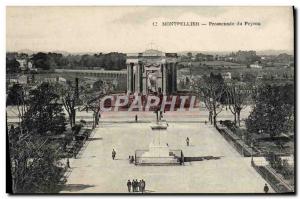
pixel 93 139
pixel 75 187
pixel 121 159
pixel 149 191
pixel 145 192
pixel 202 158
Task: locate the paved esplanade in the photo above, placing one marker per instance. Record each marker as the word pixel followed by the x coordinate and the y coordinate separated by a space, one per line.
pixel 96 172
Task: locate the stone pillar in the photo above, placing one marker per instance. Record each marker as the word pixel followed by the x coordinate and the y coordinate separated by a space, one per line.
pixel 164 79
pixel 140 77
pixel 145 83
pixel 173 77
pixel 137 78
pixel 129 78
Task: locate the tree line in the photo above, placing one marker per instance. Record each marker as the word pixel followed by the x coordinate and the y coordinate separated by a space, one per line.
pixel 273 104
pixel 35 153
pixel 47 61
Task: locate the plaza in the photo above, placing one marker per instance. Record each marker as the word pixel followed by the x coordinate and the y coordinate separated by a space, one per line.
pixel 94 171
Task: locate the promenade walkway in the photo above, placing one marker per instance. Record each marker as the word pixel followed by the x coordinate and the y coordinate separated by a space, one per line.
pixel 95 171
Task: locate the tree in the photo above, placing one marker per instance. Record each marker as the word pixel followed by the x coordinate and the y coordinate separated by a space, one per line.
pixel 273 109
pixel 92 97
pixel 249 77
pixel 45 113
pixel 69 97
pixel 14 94
pixel 41 60
pixel 236 95
pixel 246 57
pixel 34 163
pixel 17 97
pixel 34 157
pixel 211 90
pixel 70 94
pixel 12 65
pixel 57 60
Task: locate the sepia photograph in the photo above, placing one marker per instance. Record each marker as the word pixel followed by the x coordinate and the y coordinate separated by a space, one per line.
pixel 146 100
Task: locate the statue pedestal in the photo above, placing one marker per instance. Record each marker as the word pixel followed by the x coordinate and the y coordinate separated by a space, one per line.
pixel 158 153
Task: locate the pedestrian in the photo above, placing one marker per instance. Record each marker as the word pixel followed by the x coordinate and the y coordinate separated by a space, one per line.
pixel 132 159
pixel 187 141
pixel 136 185
pixel 68 163
pixel 136 118
pixel 142 186
pixel 266 188
pixel 205 122
pixel 133 186
pixel 129 185
pixel 113 154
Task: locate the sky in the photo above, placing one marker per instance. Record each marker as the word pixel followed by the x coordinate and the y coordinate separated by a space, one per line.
pixel 130 29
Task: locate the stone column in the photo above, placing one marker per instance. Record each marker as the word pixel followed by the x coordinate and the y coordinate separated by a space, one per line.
pixel 144 82
pixel 140 77
pixel 129 78
pixel 137 77
pixel 173 77
pixel 164 79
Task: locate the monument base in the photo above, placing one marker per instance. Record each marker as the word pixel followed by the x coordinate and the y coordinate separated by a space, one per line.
pixel 158 156
pixel 159 152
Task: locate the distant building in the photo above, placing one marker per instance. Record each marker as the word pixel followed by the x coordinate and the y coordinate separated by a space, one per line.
pixel 23 79
pixel 226 75
pixel 255 66
pixel 29 65
pixel 260 76
pixel 230 59
pixel 51 79
pixel 23 63
pixel 151 71
pixel 61 79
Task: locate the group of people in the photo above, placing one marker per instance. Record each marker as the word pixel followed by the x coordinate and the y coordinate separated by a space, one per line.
pixel 136 186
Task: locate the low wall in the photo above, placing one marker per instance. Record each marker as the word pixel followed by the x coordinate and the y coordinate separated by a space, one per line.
pixel 236 142
pixel 175 158
pixel 276 183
